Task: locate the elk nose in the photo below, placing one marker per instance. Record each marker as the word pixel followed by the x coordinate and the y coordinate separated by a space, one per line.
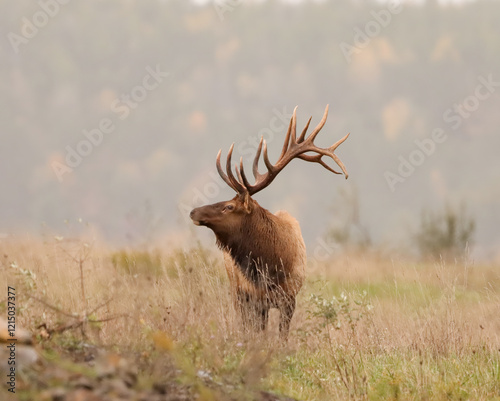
pixel 192 213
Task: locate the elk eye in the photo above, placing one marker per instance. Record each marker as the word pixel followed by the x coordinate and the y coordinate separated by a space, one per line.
pixel 228 207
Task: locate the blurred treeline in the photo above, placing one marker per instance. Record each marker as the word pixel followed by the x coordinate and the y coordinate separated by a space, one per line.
pixel 227 80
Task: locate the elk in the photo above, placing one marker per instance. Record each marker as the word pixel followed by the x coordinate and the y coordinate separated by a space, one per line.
pixel 264 253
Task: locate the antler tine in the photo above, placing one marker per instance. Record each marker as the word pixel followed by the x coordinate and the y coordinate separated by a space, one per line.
pixel 319 126
pixel 287 137
pixel 221 172
pixel 339 142
pixel 256 173
pixel 270 167
pixel 341 165
pixel 294 126
pixel 237 186
pixel 243 175
pixel 303 134
pixel 238 173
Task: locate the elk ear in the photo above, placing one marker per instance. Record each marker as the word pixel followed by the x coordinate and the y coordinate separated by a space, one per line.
pixel 247 203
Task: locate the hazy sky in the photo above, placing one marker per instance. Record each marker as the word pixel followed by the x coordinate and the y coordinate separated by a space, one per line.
pixel 213 81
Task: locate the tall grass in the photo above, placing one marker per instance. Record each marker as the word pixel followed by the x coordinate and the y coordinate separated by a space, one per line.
pixel 366 327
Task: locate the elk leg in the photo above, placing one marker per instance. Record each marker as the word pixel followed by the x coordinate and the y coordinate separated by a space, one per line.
pixel 264 317
pixel 287 308
pixel 254 314
pixel 257 315
pixel 243 301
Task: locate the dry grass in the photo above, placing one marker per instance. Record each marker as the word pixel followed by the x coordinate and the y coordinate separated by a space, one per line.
pixel 402 330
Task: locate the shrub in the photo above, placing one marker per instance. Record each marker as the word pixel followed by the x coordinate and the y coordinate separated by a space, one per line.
pixel 445 234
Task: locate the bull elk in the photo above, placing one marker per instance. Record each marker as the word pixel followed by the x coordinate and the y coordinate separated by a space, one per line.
pixel 264 253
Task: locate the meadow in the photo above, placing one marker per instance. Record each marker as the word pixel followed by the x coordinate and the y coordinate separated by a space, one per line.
pixel 367 327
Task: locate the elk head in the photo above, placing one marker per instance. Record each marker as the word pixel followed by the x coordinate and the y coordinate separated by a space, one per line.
pixel 226 218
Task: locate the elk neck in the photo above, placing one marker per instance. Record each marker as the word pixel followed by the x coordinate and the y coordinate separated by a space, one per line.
pixel 257 246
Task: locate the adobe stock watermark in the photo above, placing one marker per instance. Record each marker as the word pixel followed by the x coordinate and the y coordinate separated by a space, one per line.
pixel 122 107
pixel 30 27
pixel 453 116
pixel 211 190
pixel 224 6
pixel 363 36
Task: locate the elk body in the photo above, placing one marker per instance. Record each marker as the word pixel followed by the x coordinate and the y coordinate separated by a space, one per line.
pixel 264 253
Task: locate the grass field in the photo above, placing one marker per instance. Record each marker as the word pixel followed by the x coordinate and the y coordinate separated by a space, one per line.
pixel 366 327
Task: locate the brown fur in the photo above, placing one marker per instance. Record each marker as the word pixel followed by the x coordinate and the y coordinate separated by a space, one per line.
pixel 264 255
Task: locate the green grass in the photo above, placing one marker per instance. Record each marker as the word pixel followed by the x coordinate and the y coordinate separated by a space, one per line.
pixel 398 374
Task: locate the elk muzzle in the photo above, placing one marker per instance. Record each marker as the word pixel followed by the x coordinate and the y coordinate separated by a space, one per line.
pixel 197 216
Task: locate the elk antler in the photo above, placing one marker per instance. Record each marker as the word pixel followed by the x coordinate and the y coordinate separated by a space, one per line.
pixel 292 148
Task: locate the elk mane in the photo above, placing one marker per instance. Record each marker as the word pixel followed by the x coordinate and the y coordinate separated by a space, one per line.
pixel 259 248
